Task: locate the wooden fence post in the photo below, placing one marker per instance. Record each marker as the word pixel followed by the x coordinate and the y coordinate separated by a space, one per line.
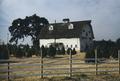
pixel 8 71
pixel 96 62
pixel 41 64
pixel 70 62
pixel 119 60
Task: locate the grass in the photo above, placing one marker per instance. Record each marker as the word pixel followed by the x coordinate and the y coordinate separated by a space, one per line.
pixel 81 77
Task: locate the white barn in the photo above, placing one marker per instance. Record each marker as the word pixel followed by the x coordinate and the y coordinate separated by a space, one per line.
pixel 76 34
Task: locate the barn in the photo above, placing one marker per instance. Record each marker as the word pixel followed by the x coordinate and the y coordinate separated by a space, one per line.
pixel 73 34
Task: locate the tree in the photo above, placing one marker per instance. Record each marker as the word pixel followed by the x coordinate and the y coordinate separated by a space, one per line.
pixel 30 26
pixel 118 43
pixel 14 49
pixel 19 52
pixel 116 48
pixel 69 50
pixel 28 51
pixel 90 54
pixel 63 50
pixel 74 51
pixel 43 51
pixel 51 51
pixel 4 52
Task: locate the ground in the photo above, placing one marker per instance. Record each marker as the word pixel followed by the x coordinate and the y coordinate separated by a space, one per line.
pixel 74 78
pixel 56 67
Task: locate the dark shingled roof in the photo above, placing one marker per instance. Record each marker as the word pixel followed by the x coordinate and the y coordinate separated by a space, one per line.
pixel 60 30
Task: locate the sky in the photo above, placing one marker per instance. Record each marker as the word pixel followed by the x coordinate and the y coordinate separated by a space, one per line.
pixel 103 13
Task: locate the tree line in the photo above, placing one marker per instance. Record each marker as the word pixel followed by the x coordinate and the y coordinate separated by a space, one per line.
pixel 105 49
pixel 20 51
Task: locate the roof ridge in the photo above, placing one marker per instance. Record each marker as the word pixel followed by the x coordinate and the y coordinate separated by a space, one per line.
pixel 73 22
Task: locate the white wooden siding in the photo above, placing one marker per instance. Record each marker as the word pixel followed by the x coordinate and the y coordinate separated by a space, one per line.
pixel 66 42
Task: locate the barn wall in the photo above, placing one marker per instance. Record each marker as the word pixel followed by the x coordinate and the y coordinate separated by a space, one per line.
pixel 71 42
pixel 46 42
pixel 86 38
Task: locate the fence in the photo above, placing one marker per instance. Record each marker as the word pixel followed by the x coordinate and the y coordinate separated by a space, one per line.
pixel 58 67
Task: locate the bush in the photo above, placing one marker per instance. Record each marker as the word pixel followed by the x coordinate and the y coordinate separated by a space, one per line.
pixel 90 54
pixel 44 51
pixel 29 53
pixel 4 52
pixel 51 51
pixel 69 50
pixel 114 52
pixel 60 51
pixel 20 53
pixel 105 49
pixel 63 50
pixel 74 51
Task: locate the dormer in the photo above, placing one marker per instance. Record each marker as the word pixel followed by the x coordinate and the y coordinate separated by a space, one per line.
pixel 70 26
pixel 51 28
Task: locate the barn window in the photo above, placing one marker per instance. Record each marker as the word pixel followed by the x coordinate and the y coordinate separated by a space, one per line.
pixel 86 34
pixel 90 38
pixel 83 30
pixel 66 46
pixel 76 46
pixel 70 26
pixel 51 27
pixel 89 31
pixel 71 46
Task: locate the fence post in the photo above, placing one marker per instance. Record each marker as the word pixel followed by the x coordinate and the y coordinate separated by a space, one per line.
pixel 41 64
pixel 96 62
pixel 8 71
pixel 119 60
pixel 70 62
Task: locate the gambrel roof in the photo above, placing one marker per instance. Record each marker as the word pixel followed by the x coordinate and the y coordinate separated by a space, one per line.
pixel 61 30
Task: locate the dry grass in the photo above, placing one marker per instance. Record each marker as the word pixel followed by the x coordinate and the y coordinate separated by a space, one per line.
pixel 59 59
pixel 81 77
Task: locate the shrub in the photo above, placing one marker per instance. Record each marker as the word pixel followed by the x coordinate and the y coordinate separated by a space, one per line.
pixel 114 52
pixel 74 51
pixel 4 52
pixel 44 51
pixel 90 54
pixel 63 50
pixel 29 53
pixel 69 50
pixel 60 51
pixel 20 53
pixel 51 51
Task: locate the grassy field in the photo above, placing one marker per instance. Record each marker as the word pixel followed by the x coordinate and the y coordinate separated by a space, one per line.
pixel 63 61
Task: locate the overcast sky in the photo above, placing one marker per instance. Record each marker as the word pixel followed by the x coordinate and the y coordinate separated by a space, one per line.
pixel 105 14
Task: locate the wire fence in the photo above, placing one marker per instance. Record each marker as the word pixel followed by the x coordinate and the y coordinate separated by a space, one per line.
pixel 63 67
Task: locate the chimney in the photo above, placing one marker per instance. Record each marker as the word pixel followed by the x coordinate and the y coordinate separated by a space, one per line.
pixel 66 20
